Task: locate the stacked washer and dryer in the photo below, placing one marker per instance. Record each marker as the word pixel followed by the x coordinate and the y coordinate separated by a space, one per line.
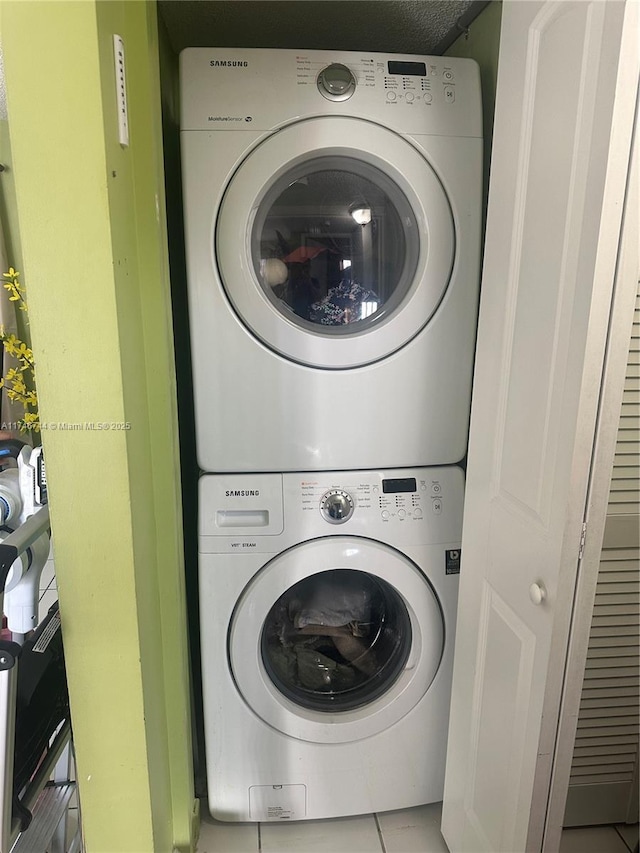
pixel 332 219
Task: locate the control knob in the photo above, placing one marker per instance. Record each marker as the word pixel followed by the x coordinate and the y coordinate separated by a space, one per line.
pixel 336 506
pixel 336 82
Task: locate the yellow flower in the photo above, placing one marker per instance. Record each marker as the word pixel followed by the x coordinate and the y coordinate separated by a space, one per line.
pixel 18 379
pixel 24 351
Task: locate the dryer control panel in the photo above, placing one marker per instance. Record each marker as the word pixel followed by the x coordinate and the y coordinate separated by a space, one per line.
pixel 257 89
pixel 402 81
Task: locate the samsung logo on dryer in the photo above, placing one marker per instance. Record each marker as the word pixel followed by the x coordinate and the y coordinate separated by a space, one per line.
pixel 228 63
pixel 242 493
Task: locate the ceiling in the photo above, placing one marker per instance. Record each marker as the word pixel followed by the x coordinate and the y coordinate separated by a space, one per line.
pixel 388 26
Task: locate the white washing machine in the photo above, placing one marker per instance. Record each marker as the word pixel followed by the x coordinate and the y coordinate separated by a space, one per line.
pixel 328 606
pixel 332 217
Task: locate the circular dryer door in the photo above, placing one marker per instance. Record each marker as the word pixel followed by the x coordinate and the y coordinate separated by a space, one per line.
pixel 335 242
pixel 336 639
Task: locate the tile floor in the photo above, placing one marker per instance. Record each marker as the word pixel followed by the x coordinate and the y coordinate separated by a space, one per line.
pixel 410 831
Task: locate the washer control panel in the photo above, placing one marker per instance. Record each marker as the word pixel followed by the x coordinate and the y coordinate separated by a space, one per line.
pixel 268 513
pixel 393 500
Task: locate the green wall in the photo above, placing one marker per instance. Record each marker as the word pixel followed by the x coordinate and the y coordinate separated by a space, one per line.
pixel 93 234
pixel 482 43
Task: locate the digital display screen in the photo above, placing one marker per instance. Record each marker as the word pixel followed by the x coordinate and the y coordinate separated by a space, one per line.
pixel 408 484
pixel 408 69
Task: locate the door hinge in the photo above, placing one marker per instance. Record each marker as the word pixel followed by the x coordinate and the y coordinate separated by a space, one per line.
pixel 583 537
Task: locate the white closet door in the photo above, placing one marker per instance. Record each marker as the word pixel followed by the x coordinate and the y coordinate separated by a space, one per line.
pixel 560 158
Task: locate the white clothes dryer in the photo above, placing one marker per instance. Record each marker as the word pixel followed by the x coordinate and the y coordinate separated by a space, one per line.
pixel 327 609
pixel 332 218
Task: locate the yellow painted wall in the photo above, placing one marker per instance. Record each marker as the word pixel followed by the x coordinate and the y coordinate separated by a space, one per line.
pixel 92 228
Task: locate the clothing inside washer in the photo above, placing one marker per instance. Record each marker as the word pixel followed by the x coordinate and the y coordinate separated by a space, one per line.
pixel 336 640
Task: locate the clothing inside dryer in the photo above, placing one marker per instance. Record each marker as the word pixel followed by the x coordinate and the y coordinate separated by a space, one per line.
pixel 335 243
pixel 336 640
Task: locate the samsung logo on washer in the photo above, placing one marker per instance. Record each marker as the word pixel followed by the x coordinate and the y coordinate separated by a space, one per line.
pixel 242 493
pixel 228 63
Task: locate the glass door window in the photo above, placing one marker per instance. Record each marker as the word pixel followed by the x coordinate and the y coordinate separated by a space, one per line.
pixel 337 640
pixel 335 244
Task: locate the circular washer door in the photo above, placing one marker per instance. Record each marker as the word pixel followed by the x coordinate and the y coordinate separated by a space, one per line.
pixel 335 242
pixel 336 639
